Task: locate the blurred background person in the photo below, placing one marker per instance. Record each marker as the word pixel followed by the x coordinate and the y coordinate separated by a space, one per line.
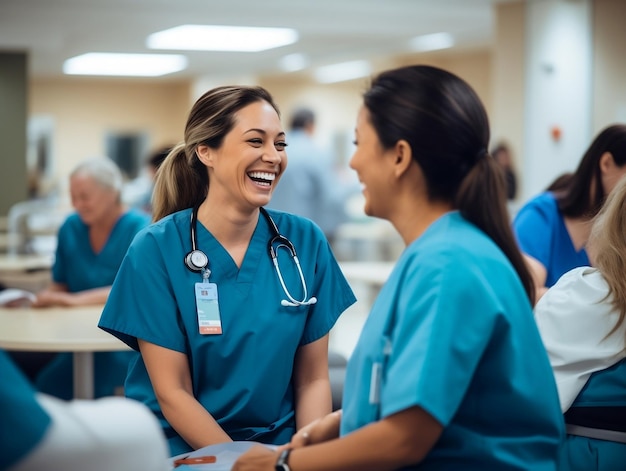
pixel 502 155
pixel 138 192
pixel 552 228
pixel 582 320
pixel 91 245
pixel 310 186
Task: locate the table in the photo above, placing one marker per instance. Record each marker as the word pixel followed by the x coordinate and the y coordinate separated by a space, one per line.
pixel 22 263
pixel 60 329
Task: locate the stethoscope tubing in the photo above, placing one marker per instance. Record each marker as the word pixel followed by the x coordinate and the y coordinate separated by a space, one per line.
pixel 197 261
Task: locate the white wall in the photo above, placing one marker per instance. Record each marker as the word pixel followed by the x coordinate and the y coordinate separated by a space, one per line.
pixel 558 90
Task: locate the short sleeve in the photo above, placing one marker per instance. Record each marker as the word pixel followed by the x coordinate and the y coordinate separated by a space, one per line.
pixel 24 422
pixel 142 303
pixel 333 294
pixel 439 338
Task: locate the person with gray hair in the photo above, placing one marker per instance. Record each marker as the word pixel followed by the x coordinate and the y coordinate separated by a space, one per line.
pixel 91 245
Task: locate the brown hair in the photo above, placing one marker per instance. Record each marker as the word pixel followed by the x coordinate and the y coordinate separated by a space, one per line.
pixel 182 180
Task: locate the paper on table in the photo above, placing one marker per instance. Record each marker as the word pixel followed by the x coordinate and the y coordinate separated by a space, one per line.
pixel 16 297
pixel 226 454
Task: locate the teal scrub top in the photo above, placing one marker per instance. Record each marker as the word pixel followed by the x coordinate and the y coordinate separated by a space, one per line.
pixel 78 267
pixel 606 388
pixel 452 332
pixel 243 376
pixel 23 422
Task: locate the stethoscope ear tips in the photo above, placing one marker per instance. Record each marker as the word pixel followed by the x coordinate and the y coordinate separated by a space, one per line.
pixel 284 302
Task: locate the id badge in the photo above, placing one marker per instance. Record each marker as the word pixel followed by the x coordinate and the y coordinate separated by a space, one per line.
pixel 208 309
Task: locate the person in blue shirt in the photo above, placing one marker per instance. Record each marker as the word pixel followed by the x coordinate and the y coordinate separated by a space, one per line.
pixel 42 432
pixel 449 372
pixel 232 329
pixel 91 245
pixel 552 228
pixel 582 321
pixel 312 186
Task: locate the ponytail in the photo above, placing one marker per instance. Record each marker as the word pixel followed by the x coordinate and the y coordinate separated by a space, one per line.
pixel 181 182
pixel 481 199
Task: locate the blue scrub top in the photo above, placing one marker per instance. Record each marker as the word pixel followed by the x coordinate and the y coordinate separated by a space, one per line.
pixel 541 233
pixel 78 267
pixel 23 422
pixel 243 377
pixel 606 388
pixel 463 345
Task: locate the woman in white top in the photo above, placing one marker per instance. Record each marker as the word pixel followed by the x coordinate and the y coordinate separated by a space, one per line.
pixel 582 320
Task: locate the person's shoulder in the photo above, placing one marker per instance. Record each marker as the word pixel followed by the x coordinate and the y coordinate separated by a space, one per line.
pixel 454 244
pixel 543 207
pixel 137 217
pixel 73 219
pixel 166 226
pixel 286 221
pixel 543 201
pixel 72 223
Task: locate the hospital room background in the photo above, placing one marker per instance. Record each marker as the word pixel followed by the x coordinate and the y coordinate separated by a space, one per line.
pixel 550 78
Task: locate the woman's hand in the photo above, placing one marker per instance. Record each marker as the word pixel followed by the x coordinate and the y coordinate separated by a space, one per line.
pixel 318 431
pixel 257 458
pixel 53 298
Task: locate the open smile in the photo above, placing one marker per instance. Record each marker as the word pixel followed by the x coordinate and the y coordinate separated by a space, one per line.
pixel 262 178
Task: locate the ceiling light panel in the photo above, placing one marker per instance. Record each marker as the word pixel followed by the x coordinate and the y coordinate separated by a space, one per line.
pixel 432 42
pixel 130 65
pixel 342 71
pixel 221 38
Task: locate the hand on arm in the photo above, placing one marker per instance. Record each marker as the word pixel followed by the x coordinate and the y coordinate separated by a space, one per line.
pixel 318 431
pixel 396 441
pixel 171 380
pixel 57 295
pixel 311 383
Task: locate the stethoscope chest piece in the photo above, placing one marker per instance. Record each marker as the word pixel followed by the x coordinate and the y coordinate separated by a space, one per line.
pixel 196 260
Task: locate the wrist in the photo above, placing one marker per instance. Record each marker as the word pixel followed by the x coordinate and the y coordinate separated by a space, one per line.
pixel 282 461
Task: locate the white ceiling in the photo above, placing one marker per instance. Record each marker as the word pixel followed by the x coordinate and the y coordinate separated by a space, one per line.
pixel 331 31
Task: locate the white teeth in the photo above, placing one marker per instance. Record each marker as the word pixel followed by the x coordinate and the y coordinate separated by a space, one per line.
pixel 262 175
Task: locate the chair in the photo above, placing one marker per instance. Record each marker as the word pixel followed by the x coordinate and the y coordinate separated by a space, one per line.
pixel 337 372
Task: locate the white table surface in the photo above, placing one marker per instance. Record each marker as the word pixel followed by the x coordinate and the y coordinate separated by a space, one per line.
pixel 9 262
pixel 60 329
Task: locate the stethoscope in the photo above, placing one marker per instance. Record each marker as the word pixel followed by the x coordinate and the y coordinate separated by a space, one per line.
pixel 197 261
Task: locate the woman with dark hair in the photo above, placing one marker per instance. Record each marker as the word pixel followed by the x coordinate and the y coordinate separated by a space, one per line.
pixel 449 371
pixel 231 326
pixel 553 228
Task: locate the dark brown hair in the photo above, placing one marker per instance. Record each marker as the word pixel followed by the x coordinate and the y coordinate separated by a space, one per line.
pixel 446 125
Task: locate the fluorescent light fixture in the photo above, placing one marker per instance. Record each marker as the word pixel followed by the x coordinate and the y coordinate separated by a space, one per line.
pixel 293 62
pixel 131 65
pixel 342 71
pixel 221 38
pixel 432 42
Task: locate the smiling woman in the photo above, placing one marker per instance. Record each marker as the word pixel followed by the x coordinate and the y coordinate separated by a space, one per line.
pixel 231 327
